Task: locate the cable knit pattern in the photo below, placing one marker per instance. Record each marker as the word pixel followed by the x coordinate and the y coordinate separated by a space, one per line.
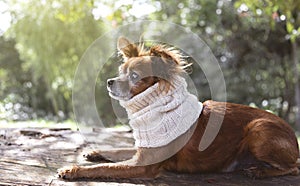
pixel 158 117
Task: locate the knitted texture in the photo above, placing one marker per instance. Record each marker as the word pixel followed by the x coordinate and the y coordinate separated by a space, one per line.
pixel 158 117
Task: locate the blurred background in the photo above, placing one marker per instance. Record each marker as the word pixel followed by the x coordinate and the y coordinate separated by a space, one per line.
pixel 41 42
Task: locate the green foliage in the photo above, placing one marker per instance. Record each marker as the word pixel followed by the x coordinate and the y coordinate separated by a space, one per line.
pixel 284 17
pixel 39 123
pixel 51 37
pixel 279 10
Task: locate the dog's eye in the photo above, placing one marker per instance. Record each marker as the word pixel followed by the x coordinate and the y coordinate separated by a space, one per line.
pixel 134 76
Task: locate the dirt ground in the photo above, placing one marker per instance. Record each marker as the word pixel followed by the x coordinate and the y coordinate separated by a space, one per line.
pixel 31 156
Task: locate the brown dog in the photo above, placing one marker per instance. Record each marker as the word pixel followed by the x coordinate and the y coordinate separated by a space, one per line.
pixel 150 88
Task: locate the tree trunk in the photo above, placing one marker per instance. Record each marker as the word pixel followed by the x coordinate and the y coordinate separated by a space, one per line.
pixel 51 95
pixel 297 82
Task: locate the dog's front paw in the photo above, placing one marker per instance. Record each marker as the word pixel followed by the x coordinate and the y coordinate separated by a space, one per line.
pixel 69 173
pixel 95 156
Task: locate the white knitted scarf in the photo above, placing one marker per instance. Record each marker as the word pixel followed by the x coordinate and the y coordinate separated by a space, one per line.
pixel 158 117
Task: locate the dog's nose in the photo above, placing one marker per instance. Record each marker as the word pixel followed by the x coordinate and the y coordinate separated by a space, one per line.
pixel 110 82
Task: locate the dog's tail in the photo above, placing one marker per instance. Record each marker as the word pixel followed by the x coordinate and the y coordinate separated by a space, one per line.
pixel 298 162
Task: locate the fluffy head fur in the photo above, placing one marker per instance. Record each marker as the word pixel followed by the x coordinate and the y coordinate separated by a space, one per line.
pixel 143 68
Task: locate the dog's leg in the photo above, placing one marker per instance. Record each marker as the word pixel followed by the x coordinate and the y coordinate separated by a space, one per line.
pixel 255 172
pixel 272 144
pixel 114 155
pixel 109 170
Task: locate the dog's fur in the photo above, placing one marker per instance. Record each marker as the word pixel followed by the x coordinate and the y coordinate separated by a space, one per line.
pixel 252 140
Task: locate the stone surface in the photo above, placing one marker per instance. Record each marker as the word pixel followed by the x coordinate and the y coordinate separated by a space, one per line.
pixel 31 156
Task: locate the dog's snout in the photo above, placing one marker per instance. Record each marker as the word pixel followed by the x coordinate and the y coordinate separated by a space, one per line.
pixel 110 82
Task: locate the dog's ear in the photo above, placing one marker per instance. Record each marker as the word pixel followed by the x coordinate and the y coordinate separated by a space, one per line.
pixel 167 54
pixel 165 61
pixel 127 48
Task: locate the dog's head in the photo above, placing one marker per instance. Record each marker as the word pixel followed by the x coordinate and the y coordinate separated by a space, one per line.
pixel 143 68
